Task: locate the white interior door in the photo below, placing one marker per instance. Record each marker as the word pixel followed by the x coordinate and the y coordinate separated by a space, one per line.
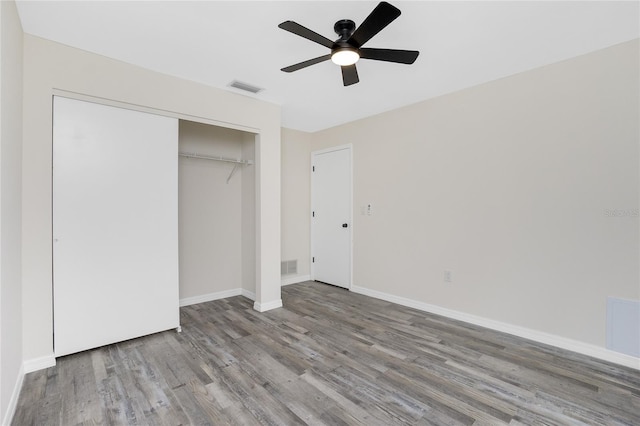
pixel 115 224
pixel 331 217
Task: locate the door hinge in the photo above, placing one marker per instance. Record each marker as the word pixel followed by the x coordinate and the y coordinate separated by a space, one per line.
pixel 313 260
pixel 313 214
pixel 313 168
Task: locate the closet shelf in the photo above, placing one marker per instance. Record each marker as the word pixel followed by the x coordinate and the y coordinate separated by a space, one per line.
pixel 237 162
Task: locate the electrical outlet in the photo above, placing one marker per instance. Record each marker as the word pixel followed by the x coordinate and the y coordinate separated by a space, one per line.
pixel 448 276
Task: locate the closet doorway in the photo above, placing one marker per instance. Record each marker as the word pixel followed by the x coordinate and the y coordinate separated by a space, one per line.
pixel 216 212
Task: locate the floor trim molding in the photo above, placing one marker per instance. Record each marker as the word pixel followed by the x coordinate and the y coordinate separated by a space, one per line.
pixel 295 280
pixel 527 333
pixel 210 296
pixel 35 364
pixel 217 296
pixel 248 294
pixel 260 307
pixel 263 307
pixel 13 402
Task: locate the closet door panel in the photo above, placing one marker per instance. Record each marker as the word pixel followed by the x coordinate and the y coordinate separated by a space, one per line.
pixel 115 224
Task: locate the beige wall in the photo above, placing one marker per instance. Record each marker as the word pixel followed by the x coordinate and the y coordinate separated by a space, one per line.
pixel 296 204
pixel 507 185
pixel 10 206
pixel 50 66
pixel 211 211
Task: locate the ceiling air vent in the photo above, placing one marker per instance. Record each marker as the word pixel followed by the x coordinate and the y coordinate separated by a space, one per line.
pixel 245 86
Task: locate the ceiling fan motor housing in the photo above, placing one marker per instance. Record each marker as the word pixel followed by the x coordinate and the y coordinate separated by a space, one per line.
pixel 344 28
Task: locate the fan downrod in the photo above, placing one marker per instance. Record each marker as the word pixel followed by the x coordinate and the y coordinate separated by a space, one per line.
pixel 344 28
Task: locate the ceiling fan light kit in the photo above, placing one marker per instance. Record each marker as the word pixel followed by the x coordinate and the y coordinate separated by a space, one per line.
pixel 345 56
pixel 347 50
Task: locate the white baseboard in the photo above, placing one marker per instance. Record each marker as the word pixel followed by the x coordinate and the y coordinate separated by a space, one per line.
pixel 527 333
pixel 263 307
pixel 28 366
pixel 295 279
pixel 13 402
pixel 260 307
pixel 248 294
pixel 35 364
pixel 217 295
pixel 210 296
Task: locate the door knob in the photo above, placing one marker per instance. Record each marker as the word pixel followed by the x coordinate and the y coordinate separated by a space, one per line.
pixel 344 225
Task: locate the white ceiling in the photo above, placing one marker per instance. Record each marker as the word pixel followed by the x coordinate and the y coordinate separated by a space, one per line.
pixel 461 44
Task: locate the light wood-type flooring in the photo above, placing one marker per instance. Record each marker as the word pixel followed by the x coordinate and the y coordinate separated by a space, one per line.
pixel 329 357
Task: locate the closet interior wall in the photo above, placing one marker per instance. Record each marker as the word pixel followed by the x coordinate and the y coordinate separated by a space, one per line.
pixel 216 218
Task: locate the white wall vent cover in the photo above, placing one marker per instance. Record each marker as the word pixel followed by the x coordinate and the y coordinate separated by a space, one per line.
pixel 623 326
pixel 245 86
pixel 288 267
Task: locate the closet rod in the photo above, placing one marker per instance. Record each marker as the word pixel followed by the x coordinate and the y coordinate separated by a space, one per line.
pixel 209 157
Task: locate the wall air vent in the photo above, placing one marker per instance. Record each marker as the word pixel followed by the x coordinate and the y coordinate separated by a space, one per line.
pixel 245 86
pixel 288 267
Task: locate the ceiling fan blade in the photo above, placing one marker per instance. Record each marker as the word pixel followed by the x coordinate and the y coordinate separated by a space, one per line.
pixel 349 75
pixel 304 64
pixel 380 17
pixel 390 55
pixel 297 29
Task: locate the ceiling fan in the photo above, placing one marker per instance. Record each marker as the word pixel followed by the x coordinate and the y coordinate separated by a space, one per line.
pixel 347 49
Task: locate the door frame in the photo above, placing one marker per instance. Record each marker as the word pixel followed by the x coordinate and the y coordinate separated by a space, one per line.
pixel 348 147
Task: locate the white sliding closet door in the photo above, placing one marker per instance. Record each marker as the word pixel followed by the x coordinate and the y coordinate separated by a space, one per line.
pixel 115 224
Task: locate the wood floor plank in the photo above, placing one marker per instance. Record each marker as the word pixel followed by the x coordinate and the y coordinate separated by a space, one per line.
pixel 78 381
pixel 328 357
